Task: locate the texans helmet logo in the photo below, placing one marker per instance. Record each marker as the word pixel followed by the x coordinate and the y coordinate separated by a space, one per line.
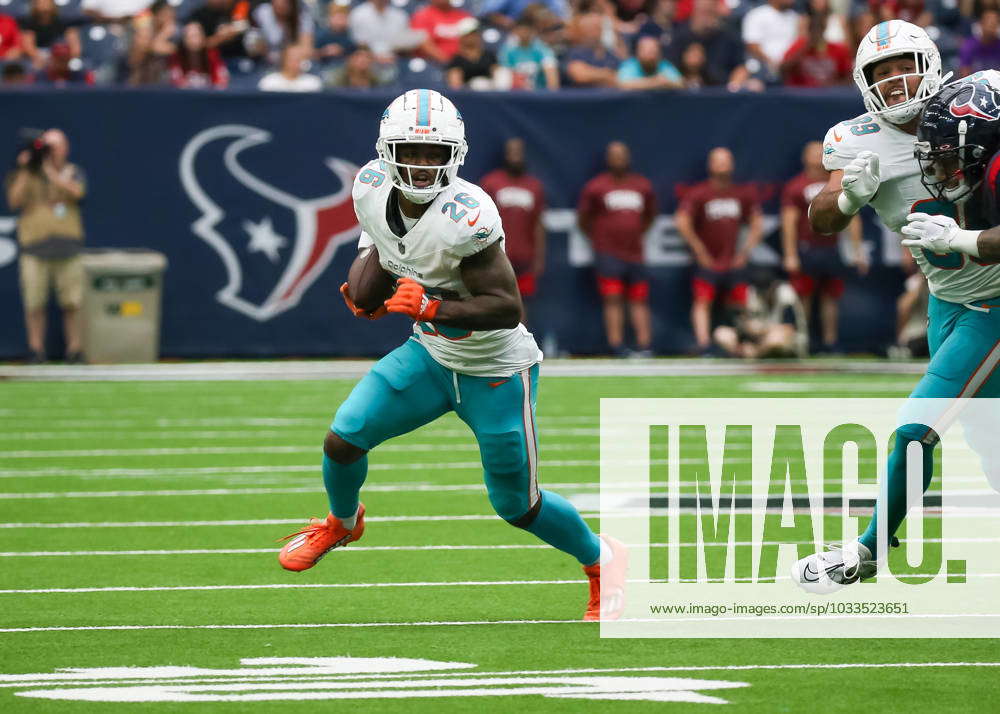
pixel 978 102
pixel 273 244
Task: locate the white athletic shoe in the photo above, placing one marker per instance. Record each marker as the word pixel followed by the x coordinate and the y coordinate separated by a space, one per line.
pixel 829 571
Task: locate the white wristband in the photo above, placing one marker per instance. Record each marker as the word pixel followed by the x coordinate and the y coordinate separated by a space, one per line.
pixel 966 242
pixel 845 205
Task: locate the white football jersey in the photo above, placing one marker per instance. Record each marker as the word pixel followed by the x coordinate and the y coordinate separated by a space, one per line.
pixel 461 221
pixel 952 276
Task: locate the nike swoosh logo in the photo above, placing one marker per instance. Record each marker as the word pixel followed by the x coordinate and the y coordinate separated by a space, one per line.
pixel 810 570
pixel 472 221
pixel 497 384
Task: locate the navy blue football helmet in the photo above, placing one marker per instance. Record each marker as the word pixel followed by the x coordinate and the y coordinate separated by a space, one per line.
pixel 957 134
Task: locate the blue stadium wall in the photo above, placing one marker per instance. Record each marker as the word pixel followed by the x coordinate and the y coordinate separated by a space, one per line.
pixel 245 195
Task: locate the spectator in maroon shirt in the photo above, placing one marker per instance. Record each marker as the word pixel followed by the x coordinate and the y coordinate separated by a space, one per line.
pixel 811 61
pixel 709 218
pixel 615 210
pixel 521 200
pixel 195 65
pixel 812 260
pixel 10 38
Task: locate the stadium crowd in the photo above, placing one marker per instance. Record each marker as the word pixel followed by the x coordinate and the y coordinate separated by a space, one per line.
pixel 308 45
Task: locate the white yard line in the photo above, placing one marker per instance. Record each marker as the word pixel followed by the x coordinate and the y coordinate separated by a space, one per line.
pixel 61 678
pixel 391 548
pixel 283 586
pixel 467 623
pixel 249 522
pixel 238 434
pixel 313 450
pixel 421 584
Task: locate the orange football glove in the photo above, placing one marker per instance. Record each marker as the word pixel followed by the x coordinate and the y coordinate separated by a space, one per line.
pixel 358 312
pixel 410 299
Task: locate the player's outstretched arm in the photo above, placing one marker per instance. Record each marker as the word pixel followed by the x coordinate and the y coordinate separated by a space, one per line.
pixel 494 303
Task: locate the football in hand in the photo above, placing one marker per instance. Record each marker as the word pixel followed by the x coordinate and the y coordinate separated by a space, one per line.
pixel 368 284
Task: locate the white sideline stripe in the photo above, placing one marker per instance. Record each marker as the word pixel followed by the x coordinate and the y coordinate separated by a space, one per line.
pixel 354 369
pixel 407 548
pixel 253 522
pixel 284 586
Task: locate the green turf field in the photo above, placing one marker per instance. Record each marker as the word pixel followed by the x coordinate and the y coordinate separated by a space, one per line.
pixel 138 530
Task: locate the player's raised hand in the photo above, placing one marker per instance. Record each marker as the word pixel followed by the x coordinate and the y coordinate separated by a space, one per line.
pixel 359 312
pixel 859 184
pixel 410 299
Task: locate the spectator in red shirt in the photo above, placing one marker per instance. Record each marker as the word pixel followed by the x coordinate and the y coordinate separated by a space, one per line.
pixel 195 65
pixel 521 200
pixel 812 260
pixel 615 210
pixel 444 26
pixel 10 38
pixel 709 218
pixel 811 61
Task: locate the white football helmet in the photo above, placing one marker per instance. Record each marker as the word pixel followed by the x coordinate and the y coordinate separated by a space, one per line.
pixel 893 39
pixel 421 116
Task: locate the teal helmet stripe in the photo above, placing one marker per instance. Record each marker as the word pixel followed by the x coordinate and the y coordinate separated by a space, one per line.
pixel 423 107
pixel 882 33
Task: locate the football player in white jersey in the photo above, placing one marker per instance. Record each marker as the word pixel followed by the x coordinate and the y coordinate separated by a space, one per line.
pixel 879 166
pixel 442 238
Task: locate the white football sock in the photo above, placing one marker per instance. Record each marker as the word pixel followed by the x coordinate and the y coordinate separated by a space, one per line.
pixel 606 554
pixel 349 523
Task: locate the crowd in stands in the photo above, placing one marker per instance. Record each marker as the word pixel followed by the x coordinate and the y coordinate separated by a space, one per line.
pixel 308 45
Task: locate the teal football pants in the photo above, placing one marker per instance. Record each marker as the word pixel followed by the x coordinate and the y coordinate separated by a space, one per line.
pixel 965 353
pixel 407 389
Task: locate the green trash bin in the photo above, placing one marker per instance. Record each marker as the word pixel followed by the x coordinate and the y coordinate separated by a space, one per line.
pixel 121 305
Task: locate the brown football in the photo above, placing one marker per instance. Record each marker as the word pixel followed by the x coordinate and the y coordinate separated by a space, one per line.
pixel 368 284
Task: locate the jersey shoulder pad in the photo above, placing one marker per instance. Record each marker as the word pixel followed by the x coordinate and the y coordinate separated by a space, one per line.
pixel 844 141
pixel 370 176
pixel 480 225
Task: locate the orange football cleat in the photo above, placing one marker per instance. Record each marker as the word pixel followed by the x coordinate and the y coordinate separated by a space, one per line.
pixel 613 603
pixel 310 544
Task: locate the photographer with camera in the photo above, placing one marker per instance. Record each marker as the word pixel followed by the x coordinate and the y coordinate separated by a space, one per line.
pixel 46 190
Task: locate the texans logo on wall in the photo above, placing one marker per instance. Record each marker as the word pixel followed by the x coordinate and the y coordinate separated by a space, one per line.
pixel 272 244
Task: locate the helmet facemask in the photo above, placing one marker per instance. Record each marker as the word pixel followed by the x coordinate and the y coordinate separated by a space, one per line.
pixel 878 94
pixel 402 174
pixel 951 173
